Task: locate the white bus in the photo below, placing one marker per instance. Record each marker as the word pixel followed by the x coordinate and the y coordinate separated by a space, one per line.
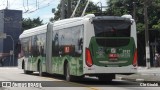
pixel 100 46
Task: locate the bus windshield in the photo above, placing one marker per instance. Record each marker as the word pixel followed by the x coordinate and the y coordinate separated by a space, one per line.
pixel 112 28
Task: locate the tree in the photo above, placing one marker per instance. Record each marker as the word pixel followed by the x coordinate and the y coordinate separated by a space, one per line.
pixel 28 23
pixel 91 8
pixel 51 19
pixel 121 7
pixel 157 26
pixel 154 12
pixel 117 7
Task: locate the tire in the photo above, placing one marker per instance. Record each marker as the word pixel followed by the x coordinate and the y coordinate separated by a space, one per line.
pixel 28 72
pixel 68 77
pixel 40 69
pixel 108 77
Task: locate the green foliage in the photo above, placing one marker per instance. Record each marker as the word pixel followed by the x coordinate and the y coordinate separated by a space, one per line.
pixel 31 23
pixel 91 8
pixel 121 7
pixel 157 26
pixel 51 19
pixel 140 27
pixel 57 13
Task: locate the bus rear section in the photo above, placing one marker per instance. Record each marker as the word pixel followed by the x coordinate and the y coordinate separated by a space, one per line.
pixel 112 49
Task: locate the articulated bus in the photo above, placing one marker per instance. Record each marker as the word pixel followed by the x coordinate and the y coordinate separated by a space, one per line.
pixel 99 46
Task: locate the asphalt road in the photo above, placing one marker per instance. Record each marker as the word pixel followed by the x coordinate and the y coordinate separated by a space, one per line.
pixel 22 81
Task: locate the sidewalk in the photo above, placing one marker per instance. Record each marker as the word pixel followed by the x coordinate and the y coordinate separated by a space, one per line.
pixel 144 74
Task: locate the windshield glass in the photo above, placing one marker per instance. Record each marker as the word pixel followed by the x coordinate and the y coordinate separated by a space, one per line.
pixel 112 28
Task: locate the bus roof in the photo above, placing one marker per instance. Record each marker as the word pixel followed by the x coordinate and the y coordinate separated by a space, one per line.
pixel 43 28
pixel 72 20
pixel 34 31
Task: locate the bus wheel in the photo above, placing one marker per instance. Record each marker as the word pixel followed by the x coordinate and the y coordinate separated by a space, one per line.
pixel 67 73
pixel 108 77
pixel 40 69
pixel 28 72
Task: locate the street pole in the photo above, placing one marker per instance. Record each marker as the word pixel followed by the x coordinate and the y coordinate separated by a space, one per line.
pixel 134 11
pixel 12 46
pixel 146 34
pixel 62 9
pixel 69 9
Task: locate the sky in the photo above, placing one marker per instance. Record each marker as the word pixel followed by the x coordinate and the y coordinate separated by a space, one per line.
pixel 36 8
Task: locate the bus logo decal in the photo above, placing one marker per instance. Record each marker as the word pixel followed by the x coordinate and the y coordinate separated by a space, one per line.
pixel 113 50
pixel 100 52
pixel 66 49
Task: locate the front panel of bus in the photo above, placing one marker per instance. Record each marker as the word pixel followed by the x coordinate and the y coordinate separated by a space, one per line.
pixel 111 49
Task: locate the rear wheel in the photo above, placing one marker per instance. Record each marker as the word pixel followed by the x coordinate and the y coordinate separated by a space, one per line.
pixel 107 77
pixel 67 73
pixel 40 69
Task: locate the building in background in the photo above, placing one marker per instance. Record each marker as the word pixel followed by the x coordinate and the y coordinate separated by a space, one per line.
pixel 11 24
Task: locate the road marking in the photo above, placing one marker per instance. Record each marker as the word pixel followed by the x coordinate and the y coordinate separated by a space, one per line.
pixel 83 85
pixel 52 79
pixel 73 83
